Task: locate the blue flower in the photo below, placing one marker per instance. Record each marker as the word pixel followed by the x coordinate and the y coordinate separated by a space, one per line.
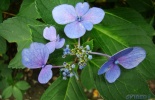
pixel 36 57
pixel 55 41
pixel 78 19
pixel 127 58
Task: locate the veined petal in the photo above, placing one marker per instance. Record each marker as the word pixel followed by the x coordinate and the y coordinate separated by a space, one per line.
pixel 49 33
pixel 60 43
pixel 87 25
pixel 45 74
pixel 74 30
pixel 122 53
pixel 105 67
pixel 64 14
pixel 51 46
pixel 81 8
pixel 112 74
pixel 36 56
pixel 94 15
pixel 133 58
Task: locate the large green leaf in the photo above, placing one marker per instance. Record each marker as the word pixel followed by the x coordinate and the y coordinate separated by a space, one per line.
pixel 141 5
pixel 28 9
pixel 64 90
pixel 114 34
pixel 16 30
pixel 45 8
pixel 131 16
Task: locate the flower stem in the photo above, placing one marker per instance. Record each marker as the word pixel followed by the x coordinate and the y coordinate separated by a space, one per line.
pixel 57 66
pixel 78 42
pixel 101 54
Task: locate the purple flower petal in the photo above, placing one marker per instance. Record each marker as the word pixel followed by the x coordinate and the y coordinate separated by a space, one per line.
pixel 87 25
pixel 36 56
pixel 60 43
pixel 51 46
pixel 81 8
pixel 105 67
pixel 94 15
pixel 45 74
pixel 64 14
pixel 74 30
pixel 122 53
pixel 133 58
pixel 49 33
pixel 112 74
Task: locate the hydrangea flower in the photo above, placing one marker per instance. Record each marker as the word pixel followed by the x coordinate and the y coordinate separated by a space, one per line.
pixel 127 58
pixel 78 19
pixel 36 57
pixel 55 41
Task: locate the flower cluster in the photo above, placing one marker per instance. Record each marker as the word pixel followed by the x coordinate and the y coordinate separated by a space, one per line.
pixel 82 54
pixel 78 20
pixel 68 70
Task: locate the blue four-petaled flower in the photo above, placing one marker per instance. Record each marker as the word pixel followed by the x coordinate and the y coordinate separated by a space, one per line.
pixel 78 19
pixel 36 57
pixel 127 58
pixel 49 33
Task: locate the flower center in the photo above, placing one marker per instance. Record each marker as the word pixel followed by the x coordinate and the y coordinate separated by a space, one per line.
pixel 79 19
pixel 116 62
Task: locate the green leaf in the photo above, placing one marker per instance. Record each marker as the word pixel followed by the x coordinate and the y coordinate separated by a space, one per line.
pixel 87 78
pixel 45 8
pixel 4 5
pixel 28 9
pixel 112 35
pixel 90 43
pixel 64 90
pixel 22 85
pixel 17 93
pixel 5 71
pixel 7 92
pixel 16 30
pixel 3 45
pixel 141 5
pixel 134 18
pixel 1 17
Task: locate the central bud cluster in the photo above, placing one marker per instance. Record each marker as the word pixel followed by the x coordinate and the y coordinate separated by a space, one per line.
pixel 81 52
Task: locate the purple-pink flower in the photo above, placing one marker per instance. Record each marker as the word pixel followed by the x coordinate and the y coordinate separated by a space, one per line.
pixel 36 57
pixel 78 19
pixel 55 41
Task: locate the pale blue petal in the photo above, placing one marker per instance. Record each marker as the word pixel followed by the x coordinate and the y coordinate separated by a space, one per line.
pixel 45 74
pixel 81 8
pixel 60 43
pixel 133 58
pixel 64 14
pixel 105 67
pixel 74 30
pixel 51 46
pixel 112 74
pixel 88 25
pixel 94 15
pixel 49 33
pixel 36 56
